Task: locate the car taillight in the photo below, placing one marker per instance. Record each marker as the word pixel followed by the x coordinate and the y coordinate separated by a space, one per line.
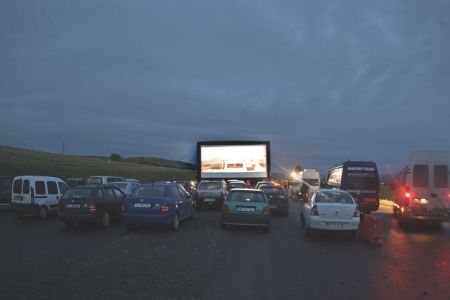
pixel 448 196
pixel 314 211
pixel 407 195
pixel 225 208
pixel 164 208
pixel 92 209
pixel 356 213
pixel 266 210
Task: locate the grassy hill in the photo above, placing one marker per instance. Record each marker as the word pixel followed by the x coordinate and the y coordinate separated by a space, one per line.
pixel 15 162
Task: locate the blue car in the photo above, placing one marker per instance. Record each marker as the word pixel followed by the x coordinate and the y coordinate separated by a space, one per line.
pixel 158 203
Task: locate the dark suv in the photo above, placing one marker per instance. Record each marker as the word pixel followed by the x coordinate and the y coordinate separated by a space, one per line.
pixel 210 193
pixel 91 204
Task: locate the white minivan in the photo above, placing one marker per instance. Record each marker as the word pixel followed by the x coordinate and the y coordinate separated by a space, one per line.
pixel 421 191
pixel 36 195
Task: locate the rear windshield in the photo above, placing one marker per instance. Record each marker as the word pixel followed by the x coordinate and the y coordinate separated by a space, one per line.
pixel 313 182
pixel 273 191
pixel 246 197
pixel 440 176
pixel 150 191
pixel 94 180
pixel 210 186
pixel 77 194
pixel 420 176
pixel 334 197
pixel 237 185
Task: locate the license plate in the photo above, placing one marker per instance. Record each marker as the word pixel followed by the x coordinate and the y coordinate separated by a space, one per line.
pixel 71 205
pixel 209 200
pixel 143 205
pixel 272 206
pixel 334 225
pixel 245 209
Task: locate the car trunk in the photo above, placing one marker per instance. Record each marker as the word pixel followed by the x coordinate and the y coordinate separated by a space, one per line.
pixel 241 207
pixel 144 205
pixel 332 211
pixel 76 205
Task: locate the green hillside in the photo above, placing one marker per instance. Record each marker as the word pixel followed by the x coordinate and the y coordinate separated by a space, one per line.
pixel 15 162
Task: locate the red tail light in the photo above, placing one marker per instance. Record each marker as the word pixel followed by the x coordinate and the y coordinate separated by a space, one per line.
pixel 314 211
pixel 356 214
pixel 92 209
pixel 225 208
pixel 407 195
pixel 266 211
pixel 449 196
pixel 164 208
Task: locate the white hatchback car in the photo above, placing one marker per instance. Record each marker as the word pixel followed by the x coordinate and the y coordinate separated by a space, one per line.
pixel 330 209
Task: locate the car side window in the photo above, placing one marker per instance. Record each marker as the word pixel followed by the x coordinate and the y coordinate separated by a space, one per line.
pixel 176 194
pixel 118 193
pixel 62 187
pixel 52 188
pixel 40 187
pixel 109 193
pixel 183 192
pixel 26 186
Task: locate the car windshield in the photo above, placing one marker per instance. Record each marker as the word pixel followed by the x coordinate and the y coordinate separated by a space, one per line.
pixel 77 194
pixel 273 191
pixel 210 186
pixel 150 191
pixel 334 197
pixel 314 182
pixel 237 185
pixel 246 197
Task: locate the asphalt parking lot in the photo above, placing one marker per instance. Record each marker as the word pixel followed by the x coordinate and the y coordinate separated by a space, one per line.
pixel 43 260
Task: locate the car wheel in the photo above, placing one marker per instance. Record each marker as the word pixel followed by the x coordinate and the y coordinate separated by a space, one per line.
pixel 106 220
pixel 176 222
pixel 43 212
pixel 302 220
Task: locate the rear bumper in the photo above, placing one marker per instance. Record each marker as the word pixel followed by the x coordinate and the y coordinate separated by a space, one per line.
pixel 245 219
pixel 368 206
pixel 279 208
pixel 25 208
pixel 205 201
pixel 333 225
pixel 148 219
pixel 442 216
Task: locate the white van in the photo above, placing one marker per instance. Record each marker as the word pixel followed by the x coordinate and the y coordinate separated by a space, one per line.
pixel 421 191
pixel 310 179
pixel 36 194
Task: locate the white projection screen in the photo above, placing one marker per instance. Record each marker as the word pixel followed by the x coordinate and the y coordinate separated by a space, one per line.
pixel 238 161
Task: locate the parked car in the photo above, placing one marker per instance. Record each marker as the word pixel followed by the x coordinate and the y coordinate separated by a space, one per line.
pixel 264 182
pixel 278 199
pixel 330 209
pixel 236 184
pixel 210 193
pixel 127 187
pixel 5 191
pixel 92 180
pixel 91 204
pixel 36 195
pixel 161 203
pixel 246 207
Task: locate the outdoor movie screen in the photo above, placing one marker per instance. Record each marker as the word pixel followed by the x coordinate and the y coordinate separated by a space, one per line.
pixel 234 161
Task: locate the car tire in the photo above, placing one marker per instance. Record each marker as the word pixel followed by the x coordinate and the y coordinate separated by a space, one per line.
pixel 353 235
pixel 43 212
pixel 105 220
pixel 302 220
pixel 176 222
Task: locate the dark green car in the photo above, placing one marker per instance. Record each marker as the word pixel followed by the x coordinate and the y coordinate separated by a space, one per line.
pixel 246 207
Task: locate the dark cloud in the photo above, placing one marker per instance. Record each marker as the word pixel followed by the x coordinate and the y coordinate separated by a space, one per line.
pixel 323 81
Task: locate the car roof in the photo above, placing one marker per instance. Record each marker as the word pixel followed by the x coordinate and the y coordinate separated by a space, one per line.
pixel 246 190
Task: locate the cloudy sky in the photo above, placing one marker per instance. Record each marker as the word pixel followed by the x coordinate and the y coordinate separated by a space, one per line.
pixel 324 81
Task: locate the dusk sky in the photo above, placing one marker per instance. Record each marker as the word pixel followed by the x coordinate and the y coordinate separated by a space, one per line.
pixel 323 81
